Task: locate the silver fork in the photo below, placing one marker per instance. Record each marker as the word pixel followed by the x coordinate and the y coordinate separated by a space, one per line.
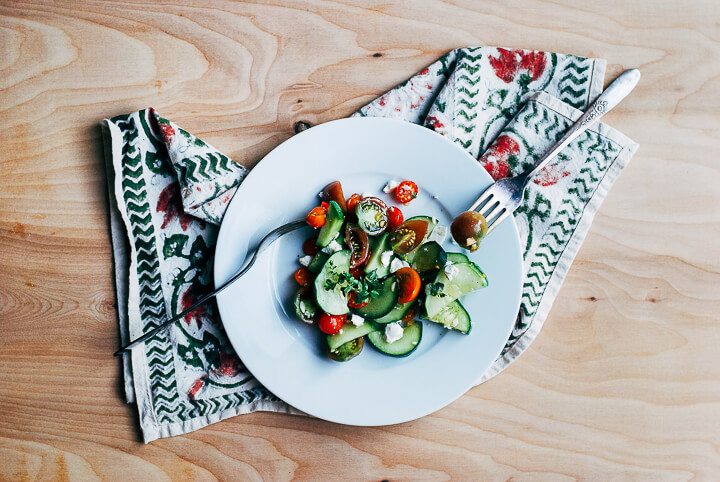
pixel 270 238
pixel 501 199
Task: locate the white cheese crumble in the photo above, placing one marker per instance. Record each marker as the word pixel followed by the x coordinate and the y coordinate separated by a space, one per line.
pixel 393 332
pixel 357 320
pixel 367 194
pixel 397 263
pixel 333 247
pixel 435 220
pixel 450 270
pixel 439 234
pixel 305 260
pixel 385 258
pixel 390 186
pixel 340 332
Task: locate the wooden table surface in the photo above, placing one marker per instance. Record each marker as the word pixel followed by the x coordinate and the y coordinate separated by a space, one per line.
pixel 622 383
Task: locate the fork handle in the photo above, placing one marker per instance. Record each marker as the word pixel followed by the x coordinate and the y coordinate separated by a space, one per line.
pixel 611 97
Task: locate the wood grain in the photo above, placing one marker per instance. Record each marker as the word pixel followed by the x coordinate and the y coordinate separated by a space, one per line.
pixel 624 380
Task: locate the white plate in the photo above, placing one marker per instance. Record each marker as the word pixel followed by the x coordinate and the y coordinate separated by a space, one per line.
pixel 287 356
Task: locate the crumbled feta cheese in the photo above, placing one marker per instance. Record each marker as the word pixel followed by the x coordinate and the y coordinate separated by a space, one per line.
pixel 450 270
pixel 385 258
pixel 439 234
pixel 357 320
pixel 305 260
pixel 392 184
pixel 367 194
pixel 397 263
pixel 393 332
pixel 435 220
pixel 340 332
pixel 331 248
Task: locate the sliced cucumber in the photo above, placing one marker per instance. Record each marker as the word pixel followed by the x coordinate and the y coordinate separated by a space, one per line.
pixel 318 262
pixel 383 304
pixel 305 306
pixel 333 301
pixel 395 314
pixel 457 258
pixel 412 334
pixel 374 263
pixel 469 277
pixel 454 316
pixel 333 225
pixel 349 333
pixel 429 257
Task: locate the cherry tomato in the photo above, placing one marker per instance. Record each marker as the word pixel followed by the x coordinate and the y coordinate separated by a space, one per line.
pixel 352 301
pixel 408 236
pixel 395 217
pixel 372 215
pixel 357 272
pixel 334 192
pixel 304 276
pixel 359 244
pixel 406 192
pixel 352 202
pixel 409 314
pixel 309 247
pixel 325 205
pixel 331 324
pixel 468 229
pixel 409 281
pixel 317 217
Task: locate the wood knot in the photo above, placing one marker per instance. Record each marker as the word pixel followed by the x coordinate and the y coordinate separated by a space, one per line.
pixel 302 126
pixel 592 298
pixel 377 54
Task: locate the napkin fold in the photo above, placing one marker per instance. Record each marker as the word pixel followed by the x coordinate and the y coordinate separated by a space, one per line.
pixel 168 191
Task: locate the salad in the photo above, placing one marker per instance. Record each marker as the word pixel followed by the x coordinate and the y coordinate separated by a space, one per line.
pixel 369 273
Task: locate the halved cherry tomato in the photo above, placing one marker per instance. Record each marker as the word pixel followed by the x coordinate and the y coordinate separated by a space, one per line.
pixel 352 301
pixel 359 244
pixel 317 217
pixel 406 192
pixel 325 205
pixel 334 192
pixel 395 217
pixel 409 281
pixel 331 324
pixel 309 247
pixel 304 276
pixel 356 272
pixel 410 314
pixel 352 202
pixel 408 236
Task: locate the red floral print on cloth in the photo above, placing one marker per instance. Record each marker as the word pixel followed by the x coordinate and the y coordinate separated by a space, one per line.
pixel 229 365
pixel 170 203
pixel 188 298
pixel 196 387
pixel 550 175
pixel 433 123
pixel 509 63
pixel 158 123
pixel 496 160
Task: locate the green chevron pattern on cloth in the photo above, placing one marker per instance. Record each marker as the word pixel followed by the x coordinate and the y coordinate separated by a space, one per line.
pixel 169 191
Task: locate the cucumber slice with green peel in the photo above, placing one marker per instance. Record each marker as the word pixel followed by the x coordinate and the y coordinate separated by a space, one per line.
pixel 349 333
pixel 333 225
pixel 318 262
pixel 347 351
pixel 333 301
pixel 395 314
pixel 305 306
pixel 383 304
pixel 429 257
pixel 443 291
pixel 380 245
pixel 412 334
pixel 454 316
pixel 457 258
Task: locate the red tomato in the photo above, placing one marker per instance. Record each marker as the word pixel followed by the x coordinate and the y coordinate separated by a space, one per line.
pixel 408 236
pixel 359 244
pixel 406 192
pixel 331 324
pixel 357 272
pixel 395 218
pixel 409 281
pixel 334 192
pixel 352 301
pixel 317 217
pixel 310 248
pixel 409 314
pixel 325 205
pixel 304 276
pixel 352 202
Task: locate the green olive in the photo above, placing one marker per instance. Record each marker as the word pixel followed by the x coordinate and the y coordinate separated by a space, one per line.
pixel 347 351
pixel 468 229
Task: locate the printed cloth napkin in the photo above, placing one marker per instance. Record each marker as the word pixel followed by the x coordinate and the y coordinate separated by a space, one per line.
pixel 168 191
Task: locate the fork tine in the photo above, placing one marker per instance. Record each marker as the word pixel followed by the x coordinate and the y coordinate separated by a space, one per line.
pixel 498 220
pixel 490 209
pixel 486 195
